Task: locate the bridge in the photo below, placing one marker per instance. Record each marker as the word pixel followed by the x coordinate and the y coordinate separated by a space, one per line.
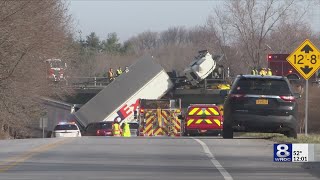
pixel 92 85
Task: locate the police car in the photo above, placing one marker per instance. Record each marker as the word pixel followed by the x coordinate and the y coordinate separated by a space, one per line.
pixel 66 129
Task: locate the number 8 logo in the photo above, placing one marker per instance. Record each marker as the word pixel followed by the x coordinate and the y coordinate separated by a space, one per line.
pixel 283 151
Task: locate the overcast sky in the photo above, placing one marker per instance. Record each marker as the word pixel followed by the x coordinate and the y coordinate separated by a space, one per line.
pixel 128 18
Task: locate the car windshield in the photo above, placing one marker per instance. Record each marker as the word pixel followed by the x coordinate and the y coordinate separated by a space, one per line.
pixel 259 86
pixel 105 125
pixel 66 127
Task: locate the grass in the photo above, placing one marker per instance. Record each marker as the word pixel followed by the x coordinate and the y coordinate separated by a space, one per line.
pixel 311 138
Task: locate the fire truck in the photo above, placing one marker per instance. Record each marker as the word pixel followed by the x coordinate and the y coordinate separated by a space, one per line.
pixel 281 67
pixel 159 117
pixel 56 69
pixel 203 119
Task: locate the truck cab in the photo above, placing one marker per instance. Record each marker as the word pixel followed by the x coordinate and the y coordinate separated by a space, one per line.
pixel 203 119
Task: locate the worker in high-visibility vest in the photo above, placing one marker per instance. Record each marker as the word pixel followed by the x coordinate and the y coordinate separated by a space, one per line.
pixel 119 71
pixel 256 70
pixel 263 72
pixel 269 72
pixel 253 71
pixel 111 74
pixel 116 130
pixel 126 130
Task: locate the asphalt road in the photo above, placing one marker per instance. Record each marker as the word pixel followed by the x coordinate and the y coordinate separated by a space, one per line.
pixel 100 158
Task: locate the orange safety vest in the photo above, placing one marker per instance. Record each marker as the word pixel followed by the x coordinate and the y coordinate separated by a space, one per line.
pixel 110 74
pixel 116 130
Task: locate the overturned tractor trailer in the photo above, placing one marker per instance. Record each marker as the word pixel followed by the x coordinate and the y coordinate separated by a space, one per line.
pixel 146 79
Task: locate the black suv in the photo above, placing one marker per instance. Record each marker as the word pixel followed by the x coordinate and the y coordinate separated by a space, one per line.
pixel 260 104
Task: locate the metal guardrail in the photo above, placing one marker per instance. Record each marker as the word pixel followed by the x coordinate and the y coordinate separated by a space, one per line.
pixel 87 82
pixel 101 82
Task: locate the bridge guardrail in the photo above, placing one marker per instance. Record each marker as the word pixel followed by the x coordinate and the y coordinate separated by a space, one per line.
pixel 81 82
pixel 100 82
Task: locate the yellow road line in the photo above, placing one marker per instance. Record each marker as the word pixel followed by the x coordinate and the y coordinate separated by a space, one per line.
pixel 9 163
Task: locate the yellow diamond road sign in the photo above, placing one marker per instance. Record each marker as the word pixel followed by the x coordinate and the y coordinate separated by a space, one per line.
pixel 305 59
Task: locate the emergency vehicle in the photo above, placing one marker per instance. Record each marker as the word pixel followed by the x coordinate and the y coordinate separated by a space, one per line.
pixel 281 67
pixel 203 119
pixel 159 117
pixel 56 69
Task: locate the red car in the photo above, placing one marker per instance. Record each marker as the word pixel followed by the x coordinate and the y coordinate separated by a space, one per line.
pixel 99 129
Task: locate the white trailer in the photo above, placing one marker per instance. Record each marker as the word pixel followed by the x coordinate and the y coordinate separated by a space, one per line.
pixel 145 80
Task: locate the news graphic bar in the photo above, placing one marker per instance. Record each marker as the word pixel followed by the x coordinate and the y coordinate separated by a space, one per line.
pixel 296 152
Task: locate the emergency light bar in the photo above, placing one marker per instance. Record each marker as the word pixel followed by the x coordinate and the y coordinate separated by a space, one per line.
pixel 63 123
pixel 202 104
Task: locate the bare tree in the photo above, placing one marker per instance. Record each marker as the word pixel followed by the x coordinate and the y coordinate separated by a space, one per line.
pixel 144 41
pixel 248 23
pixel 30 32
pixel 174 35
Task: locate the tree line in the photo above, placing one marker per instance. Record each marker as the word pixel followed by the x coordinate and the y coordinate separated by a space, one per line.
pixel 245 31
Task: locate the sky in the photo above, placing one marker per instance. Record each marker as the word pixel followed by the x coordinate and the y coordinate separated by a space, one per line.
pixel 129 17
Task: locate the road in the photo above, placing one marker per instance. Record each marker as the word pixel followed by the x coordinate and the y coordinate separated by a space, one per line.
pixel 100 158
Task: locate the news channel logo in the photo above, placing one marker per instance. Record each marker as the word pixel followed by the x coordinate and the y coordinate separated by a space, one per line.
pixel 282 152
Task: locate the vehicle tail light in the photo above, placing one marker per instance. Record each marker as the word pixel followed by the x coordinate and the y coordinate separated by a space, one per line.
pixel 288 98
pixel 98 132
pixel 141 110
pixel 290 71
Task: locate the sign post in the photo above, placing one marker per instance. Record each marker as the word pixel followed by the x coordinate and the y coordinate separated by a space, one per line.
pixel 43 124
pixel 306 60
pixel 306 109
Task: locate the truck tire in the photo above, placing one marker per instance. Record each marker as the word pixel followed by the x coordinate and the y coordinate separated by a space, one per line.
pixel 292 133
pixel 227 132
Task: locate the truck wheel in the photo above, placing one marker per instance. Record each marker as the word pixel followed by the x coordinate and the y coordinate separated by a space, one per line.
pixel 227 132
pixel 292 133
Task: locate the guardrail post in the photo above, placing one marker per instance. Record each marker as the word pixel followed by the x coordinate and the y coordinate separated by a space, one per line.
pixel 95 81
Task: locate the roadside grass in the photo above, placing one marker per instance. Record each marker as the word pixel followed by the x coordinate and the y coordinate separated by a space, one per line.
pixel 311 138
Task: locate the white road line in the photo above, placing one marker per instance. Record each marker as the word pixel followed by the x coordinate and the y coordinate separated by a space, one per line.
pixel 214 161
